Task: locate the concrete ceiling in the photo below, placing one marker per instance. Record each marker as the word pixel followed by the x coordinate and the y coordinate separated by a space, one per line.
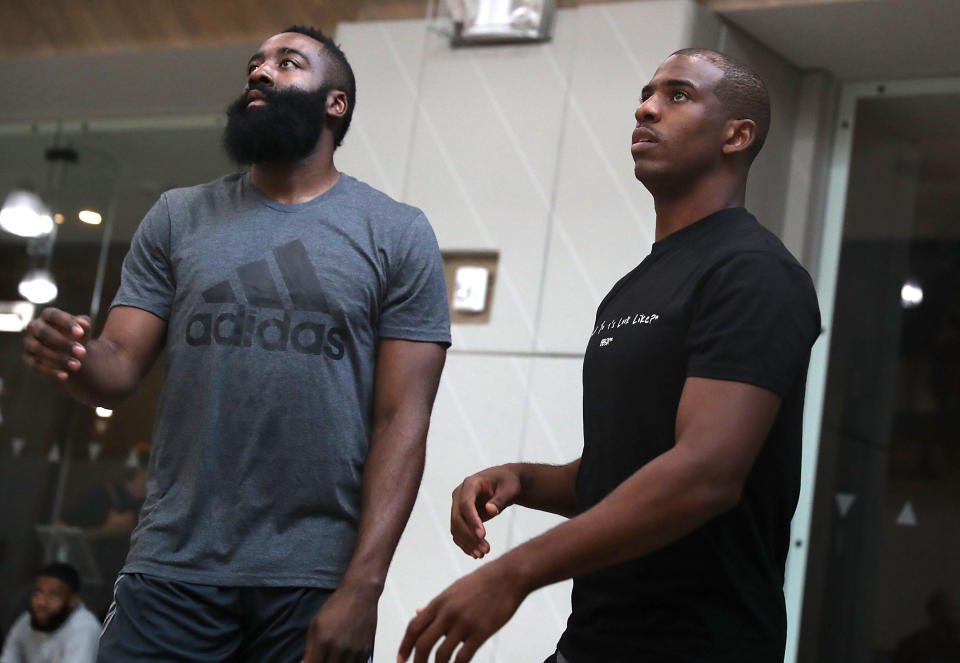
pixel 58 27
pixel 854 39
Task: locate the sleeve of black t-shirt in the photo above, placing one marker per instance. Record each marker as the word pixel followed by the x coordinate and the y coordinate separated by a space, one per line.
pixel 754 321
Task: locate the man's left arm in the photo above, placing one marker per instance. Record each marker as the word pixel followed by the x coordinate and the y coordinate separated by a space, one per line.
pixel 405 384
pixel 721 427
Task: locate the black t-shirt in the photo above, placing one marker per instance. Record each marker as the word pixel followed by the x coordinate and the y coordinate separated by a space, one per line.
pixel 720 299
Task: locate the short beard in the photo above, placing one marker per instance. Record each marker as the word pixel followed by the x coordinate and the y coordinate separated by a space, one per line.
pixel 284 130
pixel 54 622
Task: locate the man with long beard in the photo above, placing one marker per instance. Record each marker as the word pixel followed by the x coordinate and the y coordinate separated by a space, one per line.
pixel 304 318
pixel 56 628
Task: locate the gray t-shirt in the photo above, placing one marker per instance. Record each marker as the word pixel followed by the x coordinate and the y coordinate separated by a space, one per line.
pixel 274 313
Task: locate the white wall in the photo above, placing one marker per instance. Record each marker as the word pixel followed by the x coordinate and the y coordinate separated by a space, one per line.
pixel 524 150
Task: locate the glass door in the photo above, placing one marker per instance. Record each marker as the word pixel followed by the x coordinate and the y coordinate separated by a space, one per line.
pixel 883 573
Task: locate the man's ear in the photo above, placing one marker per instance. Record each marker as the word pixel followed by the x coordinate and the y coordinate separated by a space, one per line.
pixel 337 103
pixel 74 601
pixel 740 135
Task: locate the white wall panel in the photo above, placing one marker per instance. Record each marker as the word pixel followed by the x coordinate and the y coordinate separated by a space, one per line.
pixel 603 220
pixel 386 57
pixel 553 434
pixel 482 165
pixel 477 421
pixel 768 182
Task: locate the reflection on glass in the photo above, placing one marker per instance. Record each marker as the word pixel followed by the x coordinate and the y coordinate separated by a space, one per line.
pixel 885 558
pixel 75 480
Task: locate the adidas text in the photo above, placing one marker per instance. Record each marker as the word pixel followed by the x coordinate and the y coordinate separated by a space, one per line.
pixel 244 329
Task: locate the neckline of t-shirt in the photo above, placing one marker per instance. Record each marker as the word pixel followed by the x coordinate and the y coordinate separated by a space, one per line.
pixel 292 207
pixel 696 228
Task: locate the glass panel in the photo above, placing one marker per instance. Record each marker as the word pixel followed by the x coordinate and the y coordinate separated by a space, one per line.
pixel 884 577
pixel 71 482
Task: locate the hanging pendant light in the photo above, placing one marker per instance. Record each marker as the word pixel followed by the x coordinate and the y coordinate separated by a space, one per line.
pixel 24 214
pixel 37 286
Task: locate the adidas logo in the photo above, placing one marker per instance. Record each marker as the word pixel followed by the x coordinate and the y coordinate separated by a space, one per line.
pixel 244 327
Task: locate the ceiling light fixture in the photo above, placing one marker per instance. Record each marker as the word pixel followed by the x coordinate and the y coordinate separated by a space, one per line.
pixel 500 21
pixel 24 214
pixel 38 287
pixel 91 217
pixel 15 316
pixel 911 295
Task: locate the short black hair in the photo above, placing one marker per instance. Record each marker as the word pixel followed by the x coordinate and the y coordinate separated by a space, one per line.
pixel 741 91
pixel 341 74
pixel 62 571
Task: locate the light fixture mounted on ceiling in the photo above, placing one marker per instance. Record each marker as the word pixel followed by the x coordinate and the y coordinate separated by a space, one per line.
pixel 90 216
pixel 25 215
pixel 38 286
pixel 15 316
pixel 500 21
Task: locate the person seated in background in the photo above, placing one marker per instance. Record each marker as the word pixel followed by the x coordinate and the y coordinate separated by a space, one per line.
pixel 939 640
pixel 111 508
pixel 56 628
pixel 107 512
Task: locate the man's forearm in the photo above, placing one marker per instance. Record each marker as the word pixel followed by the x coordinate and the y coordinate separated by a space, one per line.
pixel 549 488
pixel 391 478
pixel 105 378
pixel 662 502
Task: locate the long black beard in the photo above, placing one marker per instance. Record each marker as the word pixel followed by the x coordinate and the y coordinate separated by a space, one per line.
pixel 54 622
pixel 284 130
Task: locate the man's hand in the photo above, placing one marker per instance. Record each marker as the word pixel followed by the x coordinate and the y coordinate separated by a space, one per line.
pixel 343 630
pixel 469 611
pixel 479 498
pixel 56 343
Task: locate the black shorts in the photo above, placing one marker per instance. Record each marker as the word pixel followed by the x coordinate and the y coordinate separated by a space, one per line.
pixel 154 619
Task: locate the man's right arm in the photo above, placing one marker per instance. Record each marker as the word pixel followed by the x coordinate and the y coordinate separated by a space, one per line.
pixel 550 488
pixel 102 371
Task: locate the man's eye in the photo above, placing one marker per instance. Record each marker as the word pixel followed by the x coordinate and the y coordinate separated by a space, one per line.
pixel 679 95
pixel 251 68
pixel 288 63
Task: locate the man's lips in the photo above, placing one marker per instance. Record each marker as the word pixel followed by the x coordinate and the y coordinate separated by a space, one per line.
pixel 645 135
pixel 643 138
pixel 256 98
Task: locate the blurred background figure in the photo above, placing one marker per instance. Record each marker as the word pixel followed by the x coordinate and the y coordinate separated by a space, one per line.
pixel 107 512
pixel 939 640
pixel 57 627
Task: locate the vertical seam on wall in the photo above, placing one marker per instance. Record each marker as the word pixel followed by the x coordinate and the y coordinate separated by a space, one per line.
pixel 551 216
pixel 404 187
pixel 552 204
pixel 551 209
pixel 541 289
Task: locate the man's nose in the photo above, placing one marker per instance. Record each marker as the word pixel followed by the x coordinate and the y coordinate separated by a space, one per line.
pixel 262 75
pixel 647 111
